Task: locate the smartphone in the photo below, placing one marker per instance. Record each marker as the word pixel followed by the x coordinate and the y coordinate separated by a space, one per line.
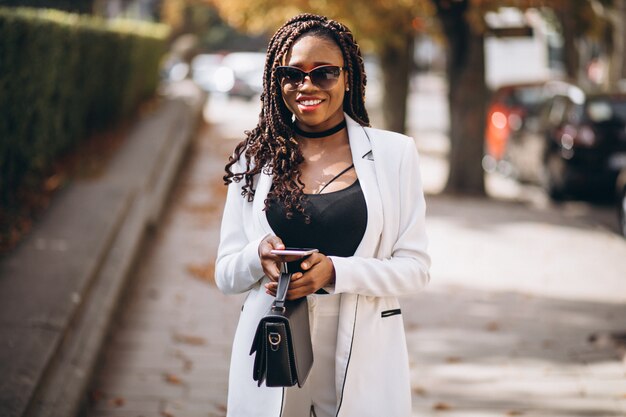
pixel 294 251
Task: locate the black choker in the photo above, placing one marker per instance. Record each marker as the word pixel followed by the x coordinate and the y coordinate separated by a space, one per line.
pixel 322 134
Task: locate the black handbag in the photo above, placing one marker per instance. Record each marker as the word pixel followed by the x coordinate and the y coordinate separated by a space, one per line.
pixel 282 342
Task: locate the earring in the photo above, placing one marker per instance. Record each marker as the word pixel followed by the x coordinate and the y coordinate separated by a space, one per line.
pixel 347 88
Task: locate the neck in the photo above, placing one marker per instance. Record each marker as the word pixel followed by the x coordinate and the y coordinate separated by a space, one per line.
pixel 323 134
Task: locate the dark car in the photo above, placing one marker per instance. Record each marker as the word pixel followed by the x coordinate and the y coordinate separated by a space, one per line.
pixel 621 200
pixel 585 143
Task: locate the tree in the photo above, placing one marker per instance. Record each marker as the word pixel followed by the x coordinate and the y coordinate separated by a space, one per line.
pixel 467 97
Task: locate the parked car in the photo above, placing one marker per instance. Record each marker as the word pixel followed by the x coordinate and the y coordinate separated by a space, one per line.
pixel 621 200
pixel 205 70
pixel 507 111
pixel 585 143
pixel 247 73
pixel 526 146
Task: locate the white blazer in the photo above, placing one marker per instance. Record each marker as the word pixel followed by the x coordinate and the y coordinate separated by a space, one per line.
pixel 372 368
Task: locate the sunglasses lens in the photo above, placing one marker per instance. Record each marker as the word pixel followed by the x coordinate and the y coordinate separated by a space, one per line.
pixel 325 77
pixel 290 77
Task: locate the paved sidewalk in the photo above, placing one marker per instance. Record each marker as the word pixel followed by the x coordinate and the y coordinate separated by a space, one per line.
pixel 169 351
pixel 503 329
pixel 60 285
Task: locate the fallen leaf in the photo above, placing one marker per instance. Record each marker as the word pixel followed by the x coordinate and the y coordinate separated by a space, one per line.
pixel 514 413
pixel 441 407
pixel 419 391
pixel 117 401
pixel 453 359
pixel 492 326
pixel 190 339
pixel 53 182
pixel 172 379
pixel 204 272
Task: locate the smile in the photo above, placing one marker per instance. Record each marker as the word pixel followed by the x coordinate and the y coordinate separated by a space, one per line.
pixel 309 102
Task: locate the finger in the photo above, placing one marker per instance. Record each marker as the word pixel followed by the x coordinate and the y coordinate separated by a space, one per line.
pixel 295 277
pixel 271 288
pixel 302 284
pixel 275 242
pixel 312 260
pixel 298 293
pixel 273 271
pixel 298 280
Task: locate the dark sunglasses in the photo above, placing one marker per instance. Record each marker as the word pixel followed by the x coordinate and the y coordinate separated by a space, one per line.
pixel 324 77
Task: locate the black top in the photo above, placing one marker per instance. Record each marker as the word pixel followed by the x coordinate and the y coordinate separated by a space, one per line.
pixel 338 221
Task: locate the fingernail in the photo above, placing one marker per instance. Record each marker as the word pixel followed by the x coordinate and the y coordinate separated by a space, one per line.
pixel 305 265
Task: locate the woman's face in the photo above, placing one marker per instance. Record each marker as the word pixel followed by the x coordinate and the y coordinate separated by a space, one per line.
pixel 315 109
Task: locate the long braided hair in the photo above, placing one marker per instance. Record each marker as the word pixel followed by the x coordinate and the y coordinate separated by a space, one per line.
pixel 271 146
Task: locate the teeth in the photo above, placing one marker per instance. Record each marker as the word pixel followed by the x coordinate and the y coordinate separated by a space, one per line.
pixel 310 102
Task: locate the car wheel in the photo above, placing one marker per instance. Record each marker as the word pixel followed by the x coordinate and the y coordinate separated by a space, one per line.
pixel 554 182
pixel 622 211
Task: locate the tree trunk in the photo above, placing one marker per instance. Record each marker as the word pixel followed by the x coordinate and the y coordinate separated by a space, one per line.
pixel 622 11
pixel 617 66
pixel 396 62
pixel 467 100
pixel 570 51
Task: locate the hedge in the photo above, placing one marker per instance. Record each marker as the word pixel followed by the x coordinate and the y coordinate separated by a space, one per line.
pixel 63 76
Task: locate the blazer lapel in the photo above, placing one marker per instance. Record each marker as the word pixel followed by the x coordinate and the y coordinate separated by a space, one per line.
pixel 363 160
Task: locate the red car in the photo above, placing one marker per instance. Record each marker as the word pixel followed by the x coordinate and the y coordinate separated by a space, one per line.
pixel 508 108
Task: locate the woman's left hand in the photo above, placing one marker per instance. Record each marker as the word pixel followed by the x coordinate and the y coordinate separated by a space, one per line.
pixel 319 272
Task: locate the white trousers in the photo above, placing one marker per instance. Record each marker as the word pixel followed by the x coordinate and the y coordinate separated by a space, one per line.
pixel 318 396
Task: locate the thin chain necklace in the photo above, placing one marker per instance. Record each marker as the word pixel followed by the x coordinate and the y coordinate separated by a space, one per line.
pixel 322 134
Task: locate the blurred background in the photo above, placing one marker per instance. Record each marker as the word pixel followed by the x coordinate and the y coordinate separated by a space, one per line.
pixel 116 119
pixel 532 91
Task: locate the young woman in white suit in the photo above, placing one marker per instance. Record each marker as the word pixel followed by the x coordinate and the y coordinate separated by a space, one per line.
pixel 314 174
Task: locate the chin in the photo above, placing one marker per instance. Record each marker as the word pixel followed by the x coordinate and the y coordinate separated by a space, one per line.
pixel 310 119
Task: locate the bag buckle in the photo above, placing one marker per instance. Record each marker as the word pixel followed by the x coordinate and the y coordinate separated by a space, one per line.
pixel 274 339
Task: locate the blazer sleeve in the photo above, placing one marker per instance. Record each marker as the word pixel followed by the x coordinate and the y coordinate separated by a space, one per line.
pixel 238 267
pixel 406 270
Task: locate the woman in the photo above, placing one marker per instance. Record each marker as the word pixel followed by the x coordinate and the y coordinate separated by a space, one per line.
pixel 313 174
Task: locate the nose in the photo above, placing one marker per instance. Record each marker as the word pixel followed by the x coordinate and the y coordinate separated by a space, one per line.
pixel 306 83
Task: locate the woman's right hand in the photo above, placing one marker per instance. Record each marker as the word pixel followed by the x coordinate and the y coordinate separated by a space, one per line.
pixel 271 263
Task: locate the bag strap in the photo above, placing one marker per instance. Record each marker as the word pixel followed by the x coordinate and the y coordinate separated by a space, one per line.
pixel 281 292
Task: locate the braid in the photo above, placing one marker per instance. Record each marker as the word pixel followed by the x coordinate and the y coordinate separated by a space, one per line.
pixel 271 146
